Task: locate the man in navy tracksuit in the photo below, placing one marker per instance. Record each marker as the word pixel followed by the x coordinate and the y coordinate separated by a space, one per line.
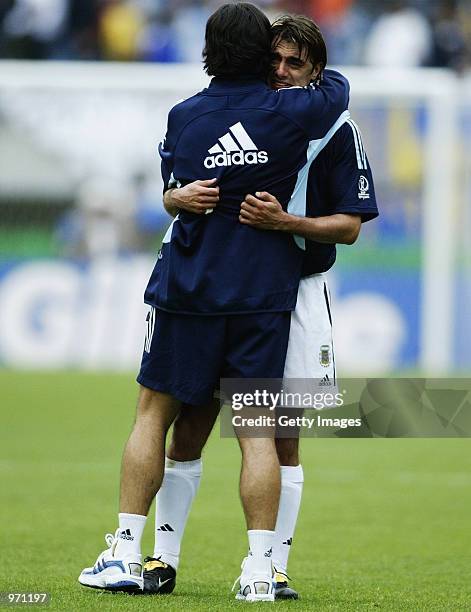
pixel 222 292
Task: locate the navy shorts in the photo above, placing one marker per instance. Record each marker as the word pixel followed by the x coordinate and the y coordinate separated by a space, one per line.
pixel 186 355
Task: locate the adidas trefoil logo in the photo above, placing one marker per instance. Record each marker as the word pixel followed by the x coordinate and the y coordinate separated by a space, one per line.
pixel 126 535
pixel 165 527
pixel 235 148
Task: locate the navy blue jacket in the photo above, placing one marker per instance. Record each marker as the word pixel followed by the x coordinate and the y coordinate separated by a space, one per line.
pixel 250 138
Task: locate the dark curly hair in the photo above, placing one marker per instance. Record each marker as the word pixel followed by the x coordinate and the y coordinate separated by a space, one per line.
pixel 237 42
pixel 304 33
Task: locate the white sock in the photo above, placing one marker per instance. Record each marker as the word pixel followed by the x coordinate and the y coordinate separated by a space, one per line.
pixel 260 552
pixel 173 503
pixel 292 479
pixel 131 527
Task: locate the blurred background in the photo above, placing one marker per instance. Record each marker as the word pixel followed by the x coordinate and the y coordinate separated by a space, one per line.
pixel 85 87
pixel 358 32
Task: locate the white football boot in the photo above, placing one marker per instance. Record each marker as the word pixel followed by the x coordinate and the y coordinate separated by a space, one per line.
pixel 113 573
pixel 255 587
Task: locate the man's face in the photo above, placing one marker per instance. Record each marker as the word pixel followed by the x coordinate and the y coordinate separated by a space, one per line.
pixel 289 68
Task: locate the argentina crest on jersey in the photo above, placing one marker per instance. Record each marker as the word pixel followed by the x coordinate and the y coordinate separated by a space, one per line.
pixel 235 148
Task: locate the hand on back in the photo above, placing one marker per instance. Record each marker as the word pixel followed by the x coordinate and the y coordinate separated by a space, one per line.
pixel 198 197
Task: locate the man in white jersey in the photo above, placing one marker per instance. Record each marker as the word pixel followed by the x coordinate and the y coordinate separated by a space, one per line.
pixel 336 209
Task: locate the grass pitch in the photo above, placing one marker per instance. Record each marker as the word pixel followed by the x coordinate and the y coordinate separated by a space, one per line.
pixel 385 524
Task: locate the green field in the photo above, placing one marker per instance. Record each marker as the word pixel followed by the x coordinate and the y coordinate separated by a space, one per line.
pixel 385 524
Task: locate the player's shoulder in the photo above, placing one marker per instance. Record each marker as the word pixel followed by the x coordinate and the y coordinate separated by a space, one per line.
pixel 316 107
pixel 347 137
pixel 339 141
pixel 184 105
pixel 183 111
pixel 306 91
pixel 294 104
pixel 286 96
pixel 347 133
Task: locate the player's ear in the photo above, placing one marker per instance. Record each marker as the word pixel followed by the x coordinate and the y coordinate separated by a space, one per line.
pixel 316 72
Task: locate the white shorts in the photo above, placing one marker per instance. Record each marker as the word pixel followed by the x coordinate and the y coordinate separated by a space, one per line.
pixel 310 351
